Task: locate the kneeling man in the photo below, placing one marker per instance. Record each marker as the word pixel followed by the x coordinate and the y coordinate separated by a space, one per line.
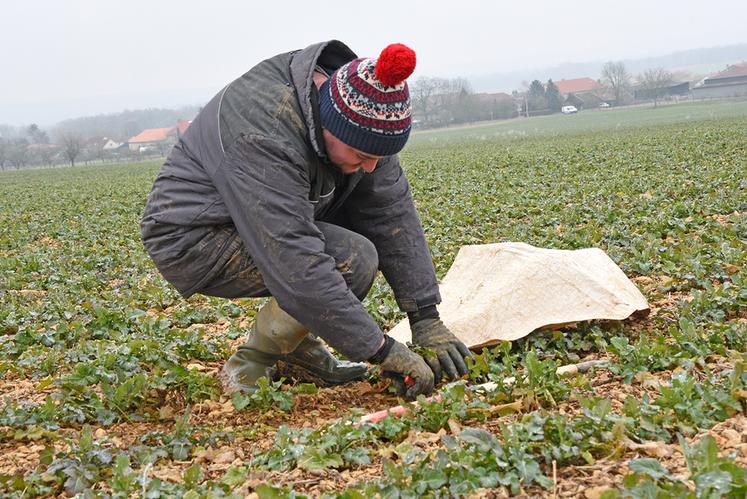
pixel 287 184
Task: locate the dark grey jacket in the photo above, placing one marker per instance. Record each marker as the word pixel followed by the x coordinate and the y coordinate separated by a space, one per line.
pixel 253 162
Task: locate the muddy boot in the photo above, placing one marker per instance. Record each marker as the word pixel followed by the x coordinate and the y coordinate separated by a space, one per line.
pixel 325 369
pixel 274 334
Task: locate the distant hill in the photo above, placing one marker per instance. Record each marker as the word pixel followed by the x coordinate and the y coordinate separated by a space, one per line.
pixel 122 126
pixel 50 110
pixel 697 61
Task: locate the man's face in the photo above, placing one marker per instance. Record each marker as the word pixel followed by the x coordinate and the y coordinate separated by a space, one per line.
pixel 348 159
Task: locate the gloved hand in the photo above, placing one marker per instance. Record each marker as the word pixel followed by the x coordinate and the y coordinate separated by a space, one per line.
pixel 397 362
pixel 450 351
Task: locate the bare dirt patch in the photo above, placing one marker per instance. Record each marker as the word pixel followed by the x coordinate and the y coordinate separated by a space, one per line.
pixel 725 218
pixel 48 241
pixel 17 389
pixel 29 294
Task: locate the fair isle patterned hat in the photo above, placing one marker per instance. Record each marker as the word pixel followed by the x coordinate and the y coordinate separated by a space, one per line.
pixel 366 102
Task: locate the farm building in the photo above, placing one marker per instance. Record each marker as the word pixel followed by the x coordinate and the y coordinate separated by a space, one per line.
pixel 582 92
pixel 111 145
pixel 731 82
pixel 102 144
pixel 672 89
pixel 152 138
pixel 158 138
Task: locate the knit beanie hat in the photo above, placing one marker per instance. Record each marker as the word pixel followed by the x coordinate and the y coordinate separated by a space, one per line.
pixel 366 102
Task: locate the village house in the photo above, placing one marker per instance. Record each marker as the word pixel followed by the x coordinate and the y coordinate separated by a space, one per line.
pixel 111 145
pixel 581 92
pixel 152 139
pixel 731 82
pixel 158 139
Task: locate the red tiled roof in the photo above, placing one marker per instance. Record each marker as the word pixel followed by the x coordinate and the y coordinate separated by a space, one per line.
pixel 152 135
pixel 739 69
pixel 182 125
pixel 577 85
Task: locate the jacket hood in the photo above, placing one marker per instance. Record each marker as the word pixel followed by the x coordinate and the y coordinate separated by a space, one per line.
pixel 329 54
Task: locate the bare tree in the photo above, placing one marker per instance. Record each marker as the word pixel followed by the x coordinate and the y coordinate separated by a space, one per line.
pixel 93 150
pixel 422 91
pixel 654 82
pixel 617 78
pixel 4 149
pixel 452 95
pixel 45 154
pixel 440 101
pixel 19 152
pixel 71 146
pixel 523 96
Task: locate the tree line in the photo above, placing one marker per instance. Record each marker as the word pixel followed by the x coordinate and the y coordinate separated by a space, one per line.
pixel 442 101
pixel 21 147
pixel 80 139
pixel 653 82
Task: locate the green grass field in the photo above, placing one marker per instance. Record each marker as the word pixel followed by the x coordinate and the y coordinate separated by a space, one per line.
pixel 586 121
pixel 109 383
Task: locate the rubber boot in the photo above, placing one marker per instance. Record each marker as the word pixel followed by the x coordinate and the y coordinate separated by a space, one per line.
pixel 278 336
pixel 314 357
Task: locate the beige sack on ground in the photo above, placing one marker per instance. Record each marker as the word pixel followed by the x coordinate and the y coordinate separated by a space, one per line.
pixel 505 291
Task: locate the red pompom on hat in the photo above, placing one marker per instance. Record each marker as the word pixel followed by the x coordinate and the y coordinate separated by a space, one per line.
pixel 396 62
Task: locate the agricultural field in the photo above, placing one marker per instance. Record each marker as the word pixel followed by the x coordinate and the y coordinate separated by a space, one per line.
pixel 587 120
pixel 108 377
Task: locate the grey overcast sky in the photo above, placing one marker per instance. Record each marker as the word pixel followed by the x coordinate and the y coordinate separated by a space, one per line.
pixel 67 58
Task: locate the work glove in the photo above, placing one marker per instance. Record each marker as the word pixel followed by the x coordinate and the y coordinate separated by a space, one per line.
pixel 410 375
pixel 450 351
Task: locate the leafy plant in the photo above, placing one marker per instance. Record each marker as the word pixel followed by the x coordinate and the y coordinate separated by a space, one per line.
pixel 267 395
pixel 82 466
